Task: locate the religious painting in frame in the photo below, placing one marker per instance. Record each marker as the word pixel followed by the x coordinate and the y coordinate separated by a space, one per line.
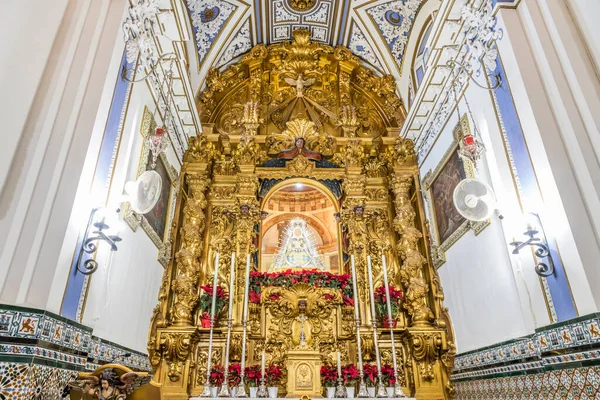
pixel 446 224
pixel 156 222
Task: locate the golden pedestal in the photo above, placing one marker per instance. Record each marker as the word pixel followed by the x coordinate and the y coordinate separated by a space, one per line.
pixel 304 373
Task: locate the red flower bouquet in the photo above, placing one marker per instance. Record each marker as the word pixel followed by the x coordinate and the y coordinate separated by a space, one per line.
pixel 217 375
pixel 350 374
pixel 396 297
pixel 253 375
pixel 273 374
pixel 205 303
pixel 370 374
pixel 328 376
pixel 388 375
pixel 234 378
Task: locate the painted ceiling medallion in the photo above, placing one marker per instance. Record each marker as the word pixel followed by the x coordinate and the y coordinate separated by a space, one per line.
pixel 302 5
pixel 209 14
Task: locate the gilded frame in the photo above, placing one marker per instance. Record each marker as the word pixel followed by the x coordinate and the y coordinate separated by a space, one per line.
pixel 438 250
pixel 133 219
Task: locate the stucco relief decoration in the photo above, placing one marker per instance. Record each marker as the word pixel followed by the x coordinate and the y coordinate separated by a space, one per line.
pixel 482 33
pixel 361 47
pixel 315 15
pixel 139 27
pixel 208 18
pixel 240 44
pixel 394 20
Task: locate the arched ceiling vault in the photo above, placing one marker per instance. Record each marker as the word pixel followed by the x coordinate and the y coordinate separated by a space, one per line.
pixel 375 30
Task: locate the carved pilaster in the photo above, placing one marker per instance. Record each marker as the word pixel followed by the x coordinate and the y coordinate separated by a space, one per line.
pixel 187 271
pixel 412 273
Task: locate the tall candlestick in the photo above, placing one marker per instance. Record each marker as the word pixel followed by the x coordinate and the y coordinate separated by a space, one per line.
pixel 262 363
pixel 241 391
pixel 373 315
pixel 231 285
pixel 224 392
pixel 206 391
pixel 380 388
pixel 246 287
pixel 397 388
pixel 339 365
pixel 213 306
pixel 362 388
pixel 354 287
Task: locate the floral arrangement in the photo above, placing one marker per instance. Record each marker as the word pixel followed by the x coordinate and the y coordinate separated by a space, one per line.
pixel 205 300
pixel 217 375
pixel 253 375
pixel 387 375
pixel 370 374
pixel 350 374
pixel 234 378
pixel 273 374
pixel 396 297
pixel 288 278
pixel 328 375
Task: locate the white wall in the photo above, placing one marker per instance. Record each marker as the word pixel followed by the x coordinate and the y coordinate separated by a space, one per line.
pixel 123 292
pixel 29 29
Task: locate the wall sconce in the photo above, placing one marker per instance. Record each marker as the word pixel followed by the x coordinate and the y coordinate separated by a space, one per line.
pixel 91 240
pixel 539 243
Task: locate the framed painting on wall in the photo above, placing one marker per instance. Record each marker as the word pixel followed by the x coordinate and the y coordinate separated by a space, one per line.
pixel 446 224
pixel 157 221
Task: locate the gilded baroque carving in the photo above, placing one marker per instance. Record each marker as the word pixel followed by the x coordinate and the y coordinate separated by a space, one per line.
pixel 187 258
pixel 411 272
pixel 176 349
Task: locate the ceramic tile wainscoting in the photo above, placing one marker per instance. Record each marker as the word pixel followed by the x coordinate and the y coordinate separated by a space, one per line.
pixel 560 361
pixel 40 351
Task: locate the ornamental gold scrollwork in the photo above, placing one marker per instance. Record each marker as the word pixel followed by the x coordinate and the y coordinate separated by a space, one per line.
pixel 202 361
pixel 176 349
pixel 352 155
pixel 284 306
pixel 300 128
pixel 426 351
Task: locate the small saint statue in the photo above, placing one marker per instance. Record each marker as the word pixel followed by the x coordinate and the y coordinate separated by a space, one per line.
pixel 299 149
pixel 300 84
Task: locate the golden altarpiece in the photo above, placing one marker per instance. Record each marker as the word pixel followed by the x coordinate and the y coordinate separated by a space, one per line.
pixel 348 119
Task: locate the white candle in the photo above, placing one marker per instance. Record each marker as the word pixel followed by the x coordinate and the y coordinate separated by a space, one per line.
pixel 231 284
pixel 354 286
pixel 262 364
pixel 387 289
pixel 374 316
pixel 246 287
pixel 339 365
pixel 215 282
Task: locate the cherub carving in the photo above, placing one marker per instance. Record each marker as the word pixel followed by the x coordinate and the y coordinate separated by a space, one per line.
pixel 109 385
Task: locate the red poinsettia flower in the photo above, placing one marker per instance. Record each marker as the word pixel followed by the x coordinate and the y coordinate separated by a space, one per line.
pixel 350 374
pixel 370 374
pixel 217 375
pixel 328 375
pixel 254 297
pixel 273 375
pixel 328 297
pixel 253 375
pixel 234 377
pixel 274 296
pixel 349 302
pixel 388 375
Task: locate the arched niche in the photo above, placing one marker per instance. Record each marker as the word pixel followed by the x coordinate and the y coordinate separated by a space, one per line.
pixel 310 201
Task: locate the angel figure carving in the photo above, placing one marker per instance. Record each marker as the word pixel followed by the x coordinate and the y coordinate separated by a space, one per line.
pixel 109 385
pixel 300 84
